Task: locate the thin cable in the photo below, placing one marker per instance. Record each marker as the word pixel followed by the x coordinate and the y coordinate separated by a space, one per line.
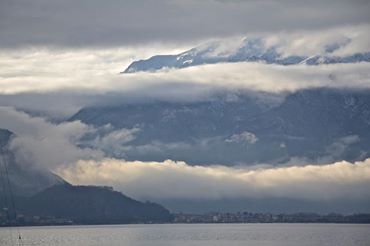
pixel 6 203
pixel 13 204
pixel 11 198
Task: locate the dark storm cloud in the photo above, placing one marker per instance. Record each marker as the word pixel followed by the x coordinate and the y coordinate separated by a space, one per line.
pixel 109 23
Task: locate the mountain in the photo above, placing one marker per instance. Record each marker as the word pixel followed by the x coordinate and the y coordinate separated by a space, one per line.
pixel 39 192
pixel 318 125
pixel 93 205
pixel 248 50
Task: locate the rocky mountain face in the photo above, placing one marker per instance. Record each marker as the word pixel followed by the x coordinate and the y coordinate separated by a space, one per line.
pixel 249 50
pixel 319 125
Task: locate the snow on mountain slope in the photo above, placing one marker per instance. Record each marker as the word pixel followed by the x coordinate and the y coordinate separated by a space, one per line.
pixel 249 50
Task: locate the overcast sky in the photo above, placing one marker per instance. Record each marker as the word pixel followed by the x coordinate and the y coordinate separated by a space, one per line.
pixel 52 50
pixel 83 23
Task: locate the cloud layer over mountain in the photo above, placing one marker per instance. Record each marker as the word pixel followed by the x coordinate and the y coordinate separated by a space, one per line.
pixel 38 78
pixel 56 146
pixel 170 179
pixel 78 79
pixel 40 143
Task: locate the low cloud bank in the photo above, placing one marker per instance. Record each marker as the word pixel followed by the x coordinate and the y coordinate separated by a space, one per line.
pixel 56 147
pixel 90 76
pixel 82 73
pixel 40 143
pixel 171 179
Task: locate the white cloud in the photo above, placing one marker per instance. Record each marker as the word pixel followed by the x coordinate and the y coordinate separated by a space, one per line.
pixel 268 78
pixel 244 137
pixel 170 179
pixel 96 71
pixel 81 69
pixel 350 40
pixel 41 143
pixel 94 77
pixel 117 137
pixel 111 140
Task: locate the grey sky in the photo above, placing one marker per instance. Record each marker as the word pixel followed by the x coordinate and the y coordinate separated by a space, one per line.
pixel 133 22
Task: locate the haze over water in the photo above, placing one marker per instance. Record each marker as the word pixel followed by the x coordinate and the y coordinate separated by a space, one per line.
pixel 194 235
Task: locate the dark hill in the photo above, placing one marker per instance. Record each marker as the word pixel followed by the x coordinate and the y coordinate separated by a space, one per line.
pixel 93 205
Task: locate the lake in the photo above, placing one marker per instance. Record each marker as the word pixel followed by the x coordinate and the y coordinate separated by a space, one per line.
pixel 193 234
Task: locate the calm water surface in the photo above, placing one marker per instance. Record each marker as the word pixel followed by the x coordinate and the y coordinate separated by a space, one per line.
pixel 196 234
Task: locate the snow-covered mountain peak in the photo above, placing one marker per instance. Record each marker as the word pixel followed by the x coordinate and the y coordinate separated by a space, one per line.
pixel 255 49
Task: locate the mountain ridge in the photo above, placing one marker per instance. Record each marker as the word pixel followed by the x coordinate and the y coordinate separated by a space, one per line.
pixel 242 130
pixel 41 193
pixel 250 50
